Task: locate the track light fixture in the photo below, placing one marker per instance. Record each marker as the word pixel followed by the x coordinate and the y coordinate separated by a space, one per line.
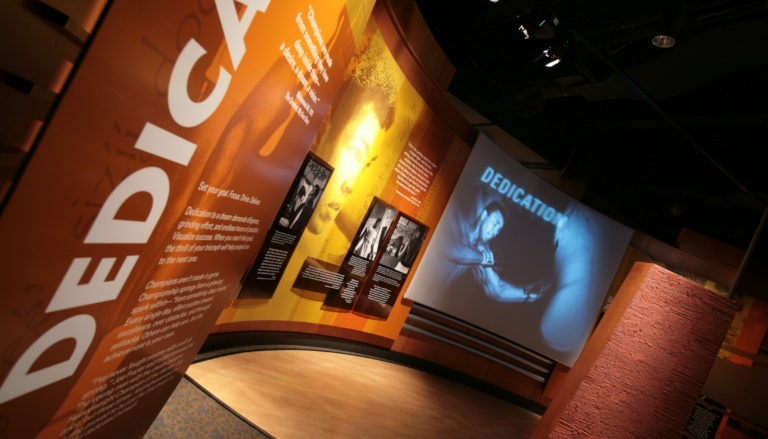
pixel 538 24
pixel 529 29
pixel 555 53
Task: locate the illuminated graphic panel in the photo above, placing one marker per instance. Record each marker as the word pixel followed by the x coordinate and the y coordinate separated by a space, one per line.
pixel 386 148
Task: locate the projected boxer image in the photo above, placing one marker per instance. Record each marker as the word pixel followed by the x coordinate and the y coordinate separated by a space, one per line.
pixel 478 252
pixel 515 256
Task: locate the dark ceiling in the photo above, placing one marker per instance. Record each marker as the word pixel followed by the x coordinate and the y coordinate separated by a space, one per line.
pixel 663 139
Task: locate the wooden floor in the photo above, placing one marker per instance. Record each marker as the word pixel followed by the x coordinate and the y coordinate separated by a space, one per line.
pixel 301 394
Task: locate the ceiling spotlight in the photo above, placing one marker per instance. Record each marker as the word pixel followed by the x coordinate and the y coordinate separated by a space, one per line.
pixel 670 27
pixel 663 41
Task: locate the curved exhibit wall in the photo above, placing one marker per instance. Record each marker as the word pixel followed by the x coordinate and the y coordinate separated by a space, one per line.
pixel 517 257
pixel 363 204
pixel 183 134
pixel 214 167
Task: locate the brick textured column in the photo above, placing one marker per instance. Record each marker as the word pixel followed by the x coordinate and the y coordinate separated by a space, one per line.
pixel 643 370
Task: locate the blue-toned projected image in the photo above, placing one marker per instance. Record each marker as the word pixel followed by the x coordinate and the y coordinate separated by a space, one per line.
pixel 517 257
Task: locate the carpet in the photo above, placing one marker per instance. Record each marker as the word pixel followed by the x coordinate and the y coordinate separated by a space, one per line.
pixel 192 413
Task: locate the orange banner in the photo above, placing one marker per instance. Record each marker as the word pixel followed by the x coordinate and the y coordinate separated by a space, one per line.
pixel 148 196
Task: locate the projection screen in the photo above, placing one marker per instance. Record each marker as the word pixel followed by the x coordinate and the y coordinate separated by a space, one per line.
pixel 517 257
